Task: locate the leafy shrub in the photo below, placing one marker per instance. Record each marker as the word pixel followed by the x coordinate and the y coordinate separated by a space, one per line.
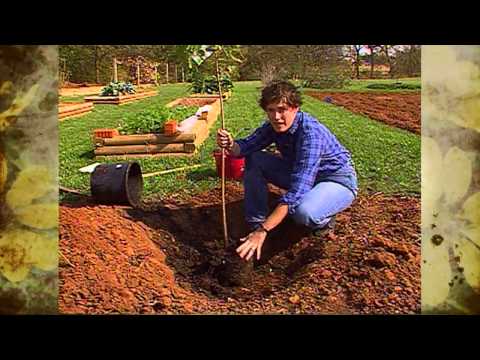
pixel 198 83
pixel 209 85
pixel 152 120
pixel 117 88
pixel 181 112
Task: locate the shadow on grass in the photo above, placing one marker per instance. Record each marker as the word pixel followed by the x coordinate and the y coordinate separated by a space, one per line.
pixel 88 155
pixel 204 174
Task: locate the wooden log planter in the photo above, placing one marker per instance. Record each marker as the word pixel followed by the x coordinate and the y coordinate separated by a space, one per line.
pixel 160 145
pixel 120 99
pixel 71 109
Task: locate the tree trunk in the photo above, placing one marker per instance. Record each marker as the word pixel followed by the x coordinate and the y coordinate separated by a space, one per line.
pixel 176 74
pixel 389 61
pixel 138 74
pixel 183 75
pixel 268 72
pixel 115 70
pixel 411 61
pixel 166 76
pixel 357 64
pixel 372 65
pixel 97 66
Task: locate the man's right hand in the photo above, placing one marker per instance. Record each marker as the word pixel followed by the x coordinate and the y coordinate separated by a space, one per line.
pixel 224 139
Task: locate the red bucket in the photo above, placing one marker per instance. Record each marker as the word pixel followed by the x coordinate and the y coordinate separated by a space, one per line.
pixel 234 166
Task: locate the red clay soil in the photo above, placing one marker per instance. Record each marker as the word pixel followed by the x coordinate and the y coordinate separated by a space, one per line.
pixel 168 258
pixel 401 110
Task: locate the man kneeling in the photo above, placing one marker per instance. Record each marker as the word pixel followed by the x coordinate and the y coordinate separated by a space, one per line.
pixel 314 168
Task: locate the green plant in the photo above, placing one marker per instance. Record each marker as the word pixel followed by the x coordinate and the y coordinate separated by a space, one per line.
pixel 209 84
pixel 152 120
pixel 181 112
pixel 198 83
pixel 117 88
pixel 146 121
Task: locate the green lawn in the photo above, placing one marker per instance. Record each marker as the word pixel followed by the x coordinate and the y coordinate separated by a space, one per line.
pixel 72 98
pixel 361 85
pixel 387 159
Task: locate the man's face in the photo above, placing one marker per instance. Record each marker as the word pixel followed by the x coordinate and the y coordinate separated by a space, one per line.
pixel 281 115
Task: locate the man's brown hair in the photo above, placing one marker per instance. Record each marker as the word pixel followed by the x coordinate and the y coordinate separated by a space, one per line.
pixel 280 90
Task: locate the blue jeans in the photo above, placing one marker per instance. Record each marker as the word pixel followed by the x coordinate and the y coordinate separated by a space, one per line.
pixel 331 193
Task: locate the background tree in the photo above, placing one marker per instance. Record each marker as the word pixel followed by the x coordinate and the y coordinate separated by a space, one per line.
pixel 319 65
pixel 357 58
pixel 373 49
pixel 93 63
pixel 408 61
pixel 324 66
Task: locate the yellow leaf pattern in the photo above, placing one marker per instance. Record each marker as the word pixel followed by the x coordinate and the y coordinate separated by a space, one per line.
pixel 28 184
pixel 450 196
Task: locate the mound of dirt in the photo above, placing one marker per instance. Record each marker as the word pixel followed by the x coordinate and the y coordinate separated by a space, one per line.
pixel 169 257
pixel 401 110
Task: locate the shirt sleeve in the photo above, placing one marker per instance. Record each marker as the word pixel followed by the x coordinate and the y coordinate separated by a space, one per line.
pixel 307 161
pixel 260 139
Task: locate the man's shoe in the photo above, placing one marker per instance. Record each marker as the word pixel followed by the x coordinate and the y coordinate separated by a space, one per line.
pixel 327 228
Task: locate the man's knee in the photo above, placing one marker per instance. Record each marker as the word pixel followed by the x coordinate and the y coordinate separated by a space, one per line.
pixel 303 215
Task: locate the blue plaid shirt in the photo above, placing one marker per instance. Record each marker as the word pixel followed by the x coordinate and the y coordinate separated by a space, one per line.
pixel 308 146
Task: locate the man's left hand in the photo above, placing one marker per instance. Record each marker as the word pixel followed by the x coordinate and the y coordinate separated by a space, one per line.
pixel 252 243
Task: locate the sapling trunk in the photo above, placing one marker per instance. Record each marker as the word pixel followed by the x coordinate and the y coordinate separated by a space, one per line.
pixel 224 206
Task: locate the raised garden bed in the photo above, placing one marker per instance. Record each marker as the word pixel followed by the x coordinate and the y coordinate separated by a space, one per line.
pixel 120 99
pixel 73 109
pixel 226 95
pixel 159 145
